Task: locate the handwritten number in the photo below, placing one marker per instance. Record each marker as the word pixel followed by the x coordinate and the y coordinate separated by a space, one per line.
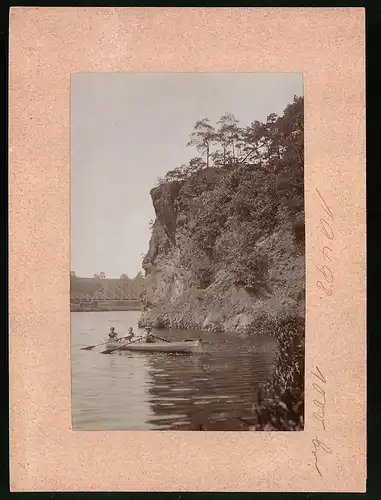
pixel 319 389
pixel 321 419
pixel 325 256
pixel 326 272
pixel 324 205
pixel 320 416
pixel 327 230
pixel 316 463
pixel 327 290
pixel 325 226
pixel 328 279
pixel 319 444
pixel 320 376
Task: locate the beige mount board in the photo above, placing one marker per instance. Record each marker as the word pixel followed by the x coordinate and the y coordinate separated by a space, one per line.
pixel 47 45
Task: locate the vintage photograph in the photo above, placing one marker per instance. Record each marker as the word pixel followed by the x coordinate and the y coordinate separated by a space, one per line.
pixel 187 282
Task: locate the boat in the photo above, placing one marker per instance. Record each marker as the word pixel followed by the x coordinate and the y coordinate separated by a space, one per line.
pixel 187 346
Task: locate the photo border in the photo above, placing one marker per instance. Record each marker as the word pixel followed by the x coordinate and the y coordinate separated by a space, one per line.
pixel 46 45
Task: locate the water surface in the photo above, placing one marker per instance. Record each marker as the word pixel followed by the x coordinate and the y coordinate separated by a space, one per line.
pixel 128 390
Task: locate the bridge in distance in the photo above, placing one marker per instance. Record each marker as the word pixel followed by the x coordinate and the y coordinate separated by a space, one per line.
pixel 96 294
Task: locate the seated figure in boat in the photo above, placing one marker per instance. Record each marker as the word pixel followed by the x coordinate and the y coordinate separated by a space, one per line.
pixel 131 334
pixel 148 337
pixel 113 335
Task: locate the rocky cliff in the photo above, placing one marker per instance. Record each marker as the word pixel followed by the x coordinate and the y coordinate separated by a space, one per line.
pixel 227 249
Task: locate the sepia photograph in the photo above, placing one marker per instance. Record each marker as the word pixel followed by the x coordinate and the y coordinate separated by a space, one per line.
pixel 187 251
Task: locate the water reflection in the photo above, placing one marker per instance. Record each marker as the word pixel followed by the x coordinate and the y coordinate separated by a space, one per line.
pixel 211 390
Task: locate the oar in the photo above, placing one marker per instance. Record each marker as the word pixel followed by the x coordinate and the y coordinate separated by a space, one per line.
pixel 108 351
pixel 200 339
pixel 204 341
pixel 87 348
pixel 160 338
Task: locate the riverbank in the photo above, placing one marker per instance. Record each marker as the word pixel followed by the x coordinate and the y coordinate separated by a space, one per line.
pixel 280 405
pixel 89 309
pixel 109 305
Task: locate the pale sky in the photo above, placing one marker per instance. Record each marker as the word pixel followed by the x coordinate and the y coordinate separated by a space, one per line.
pixel 127 129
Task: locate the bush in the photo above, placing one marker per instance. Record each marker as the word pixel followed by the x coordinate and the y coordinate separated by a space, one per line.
pixel 280 404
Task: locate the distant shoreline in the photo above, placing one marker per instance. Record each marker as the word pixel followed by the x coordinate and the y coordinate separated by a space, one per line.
pixel 128 305
pixel 86 309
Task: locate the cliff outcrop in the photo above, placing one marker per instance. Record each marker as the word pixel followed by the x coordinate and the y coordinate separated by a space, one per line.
pixel 219 258
pixel 227 246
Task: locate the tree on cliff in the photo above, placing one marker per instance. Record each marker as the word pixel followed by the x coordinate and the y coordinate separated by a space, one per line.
pixel 227 136
pixel 203 137
pixel 253 143
pixel 183 172
pixel 232 209
pixel 291 134
pixel 196 164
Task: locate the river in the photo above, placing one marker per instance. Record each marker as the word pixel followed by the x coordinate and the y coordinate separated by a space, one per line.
pixel 126 390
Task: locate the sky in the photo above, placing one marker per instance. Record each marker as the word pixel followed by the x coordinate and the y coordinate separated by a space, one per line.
pixel 128 129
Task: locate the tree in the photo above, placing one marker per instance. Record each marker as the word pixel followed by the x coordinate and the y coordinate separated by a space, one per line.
pixel 184 171
pixel 290 167
pixel 219 158
pixel 227 135
pixel 102 275
pixel 272 138
pixel 196 164
pixel 291 131
pixel 124 277
pixel 252 143
pixel 72 274
pixel 203 137
pixel 96 276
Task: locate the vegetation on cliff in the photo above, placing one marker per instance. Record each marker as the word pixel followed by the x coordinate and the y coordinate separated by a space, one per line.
pixel 228 239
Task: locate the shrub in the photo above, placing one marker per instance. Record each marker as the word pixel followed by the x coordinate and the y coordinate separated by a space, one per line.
pixel 281 402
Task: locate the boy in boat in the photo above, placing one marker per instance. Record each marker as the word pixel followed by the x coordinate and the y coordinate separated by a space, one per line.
pixel 148 337
pixel 113 335
pixel 130 334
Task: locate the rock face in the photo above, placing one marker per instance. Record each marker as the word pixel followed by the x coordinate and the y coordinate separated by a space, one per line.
pixel 227 247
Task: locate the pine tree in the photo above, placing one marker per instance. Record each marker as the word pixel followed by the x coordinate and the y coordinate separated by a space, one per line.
pixel 203 137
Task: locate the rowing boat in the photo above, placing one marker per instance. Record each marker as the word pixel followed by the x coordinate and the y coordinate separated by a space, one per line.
pixel 189 346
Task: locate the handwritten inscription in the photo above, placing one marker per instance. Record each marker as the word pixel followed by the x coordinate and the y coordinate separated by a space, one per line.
pixel 319 445
pixel 325 283
pixel 320 402
pixel 326 280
